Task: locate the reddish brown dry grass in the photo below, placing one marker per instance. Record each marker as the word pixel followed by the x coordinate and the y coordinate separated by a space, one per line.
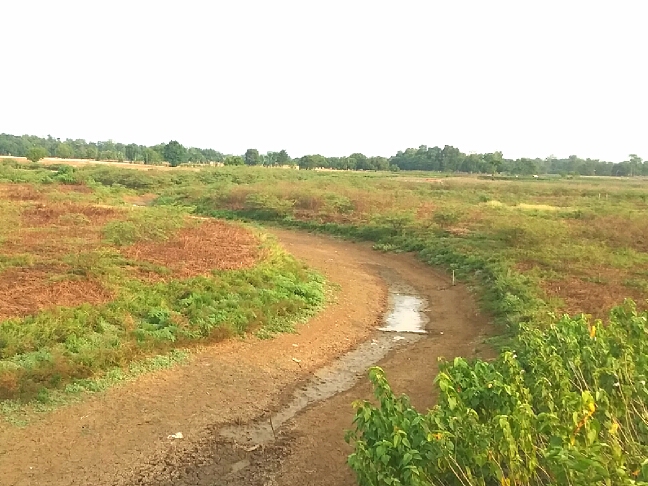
pixel 51 230
pixel 210 245
pixel 617 231
pixel 590 297
pixel 44 230
pixel 25 291
pixel 30 192
pixel 21 192
pixel 68 214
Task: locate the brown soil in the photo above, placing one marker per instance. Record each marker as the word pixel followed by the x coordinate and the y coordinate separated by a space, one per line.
pixel 25 291
pixel 120 437
pixel 210 245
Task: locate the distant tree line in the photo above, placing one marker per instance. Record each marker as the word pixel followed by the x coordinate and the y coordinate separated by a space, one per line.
pixel 446 159
pixel 451 159
pixel 173 152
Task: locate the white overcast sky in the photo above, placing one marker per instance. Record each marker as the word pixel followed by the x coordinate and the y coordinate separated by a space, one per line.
pixel 530 78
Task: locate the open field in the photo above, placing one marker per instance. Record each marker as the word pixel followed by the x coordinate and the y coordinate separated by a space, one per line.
pixel 577 245
pixel 89 284
pixel 89 162
pixel 564 402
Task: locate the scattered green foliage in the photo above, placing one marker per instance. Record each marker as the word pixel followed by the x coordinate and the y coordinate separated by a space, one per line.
pixel 565 405
pixel 56 347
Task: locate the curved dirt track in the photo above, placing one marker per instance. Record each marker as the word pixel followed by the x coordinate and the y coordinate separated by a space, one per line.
pixel 120 437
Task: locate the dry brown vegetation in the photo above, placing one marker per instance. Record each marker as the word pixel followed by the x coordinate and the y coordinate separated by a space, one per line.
pixel 43 229
pixel 25 291
pixel 208 245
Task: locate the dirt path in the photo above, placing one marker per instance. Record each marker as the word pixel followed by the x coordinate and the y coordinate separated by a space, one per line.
pixel 120 437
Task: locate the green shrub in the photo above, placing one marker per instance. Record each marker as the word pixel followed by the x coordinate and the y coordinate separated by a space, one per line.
pixel 566 405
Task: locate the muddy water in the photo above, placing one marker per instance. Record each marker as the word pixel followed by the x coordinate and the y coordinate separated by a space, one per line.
pixel 403 324
pixel 407 312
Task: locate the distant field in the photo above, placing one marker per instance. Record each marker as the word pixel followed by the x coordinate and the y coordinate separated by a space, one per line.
pixel 86 162
pixel 578 245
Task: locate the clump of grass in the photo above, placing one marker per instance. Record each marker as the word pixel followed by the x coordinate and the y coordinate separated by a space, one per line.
pixel 20 412
pixel 154 224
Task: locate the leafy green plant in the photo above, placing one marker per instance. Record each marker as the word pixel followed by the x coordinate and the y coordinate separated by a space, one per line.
pixel 566 405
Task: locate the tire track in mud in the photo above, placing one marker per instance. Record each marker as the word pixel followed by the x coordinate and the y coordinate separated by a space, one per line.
pixel 120 437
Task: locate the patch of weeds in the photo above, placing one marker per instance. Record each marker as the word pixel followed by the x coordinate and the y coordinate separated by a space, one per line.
pixel 10 261
pixel 636 283
pixel 446 217
pixel 20 413
pixel 152 224
pixel 387 247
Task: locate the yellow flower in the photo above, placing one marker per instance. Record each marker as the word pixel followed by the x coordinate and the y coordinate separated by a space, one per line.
pixel 593 332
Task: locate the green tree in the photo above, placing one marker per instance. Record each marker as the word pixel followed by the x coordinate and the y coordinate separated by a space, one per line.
pixel 635 165
pixel 270 159
pixel 91 152
pixel 36 153
pixel 379 163
pixel 132 152
pixel 64 151
pixel 234 160
pixel 283 158
pixel 151 156
pixel 252 157
pixel 195 156
pixel 451 158
pixel 306 162
pixel 361 161
pixel 493 161
pixel 175 153
pixel 312 161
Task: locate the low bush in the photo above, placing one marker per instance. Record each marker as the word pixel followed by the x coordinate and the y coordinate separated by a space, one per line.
pixel 565 405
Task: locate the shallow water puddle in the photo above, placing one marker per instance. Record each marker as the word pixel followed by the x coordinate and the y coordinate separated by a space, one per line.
pixel 405 316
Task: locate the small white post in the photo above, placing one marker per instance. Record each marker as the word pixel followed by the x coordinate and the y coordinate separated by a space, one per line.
pixel 453 278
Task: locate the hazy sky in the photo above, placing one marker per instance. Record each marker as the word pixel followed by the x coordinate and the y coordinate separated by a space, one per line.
pixel 530 78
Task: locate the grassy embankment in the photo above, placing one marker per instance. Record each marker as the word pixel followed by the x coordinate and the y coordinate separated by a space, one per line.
pixel 94 290
pixel 536 246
